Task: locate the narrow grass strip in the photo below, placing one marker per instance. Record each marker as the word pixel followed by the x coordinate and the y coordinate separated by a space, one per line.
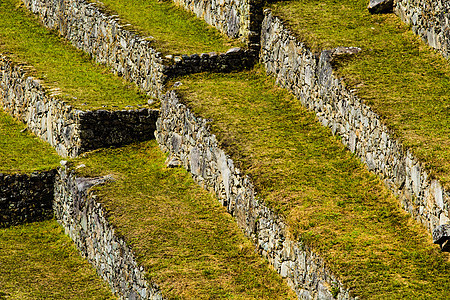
pixel 81 82
pixel 173 29
pixel 188 244
pixel 21 151
pixel 37 261
pixel 325 194
pixel 397 74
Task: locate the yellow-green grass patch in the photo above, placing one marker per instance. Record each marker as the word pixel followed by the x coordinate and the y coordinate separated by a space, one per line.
pixel 82 83
pixel 37 261
pixel 21 151
pixel 397 74
pixel 327 197
pixel 189 245
pixel 173 29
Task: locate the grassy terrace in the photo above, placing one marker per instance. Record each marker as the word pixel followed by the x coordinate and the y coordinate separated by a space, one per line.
pixel 83 83
pixel 397 74
pixel 175 30
pixel 37 261
pixel 23 152
pixel 190 246
pixel 325 194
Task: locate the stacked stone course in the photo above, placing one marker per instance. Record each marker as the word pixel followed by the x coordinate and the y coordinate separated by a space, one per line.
pixel 26 197
pixel 239 19
pixel 189 143
pixel 310 78
pixel 85 221
pixel 128 54
pixel 70 131
pixel 430 19
pixel 188 140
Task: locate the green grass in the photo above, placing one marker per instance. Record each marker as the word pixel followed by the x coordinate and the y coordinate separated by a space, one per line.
pixel 185 240
pixel 23 152
pixel 325 194
pixel 82 83
pixel 397 74
pixel 175 30
pixel 37 261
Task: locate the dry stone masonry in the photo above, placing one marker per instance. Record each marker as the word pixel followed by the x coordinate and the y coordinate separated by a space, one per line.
pixel 240 19
pixel 50 119
pixel 189 143
pixel 85 221
pixel 70 131
pixel 188 140
pixel 26 197
pixel 428 19
pixel 309 77
pixel 128 54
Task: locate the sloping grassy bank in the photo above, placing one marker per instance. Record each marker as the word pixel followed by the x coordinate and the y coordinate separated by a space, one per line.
pixel 185 240
pixel 82 83
pixel 397 74
pixel 326 195
pixel 37 261
pixel 23 152
pixel 174 30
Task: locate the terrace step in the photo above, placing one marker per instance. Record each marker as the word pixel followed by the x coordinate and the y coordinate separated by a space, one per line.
pixel 39 262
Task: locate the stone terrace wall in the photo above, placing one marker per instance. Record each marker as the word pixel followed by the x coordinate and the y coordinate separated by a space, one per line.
pixel 128 54
pixel 85 221
pixel 430 19
pixel 69 131
pixel 310 78
pixel 235 18
pixel 49 118
pixel 26 197
pixel 102 128
pixel 190 144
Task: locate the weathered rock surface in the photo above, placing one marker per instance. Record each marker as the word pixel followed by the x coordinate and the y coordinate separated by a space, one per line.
pixel 380 6
pixel 239 19
pixel 189 143
pixel 441 236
